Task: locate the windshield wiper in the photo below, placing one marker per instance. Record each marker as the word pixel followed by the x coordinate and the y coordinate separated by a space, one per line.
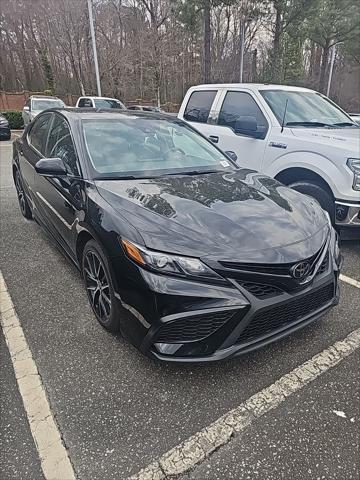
pixel 308 124
pixel 344 124
pixel 193 172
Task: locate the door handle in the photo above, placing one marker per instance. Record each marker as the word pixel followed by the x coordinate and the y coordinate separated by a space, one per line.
pixel 214 138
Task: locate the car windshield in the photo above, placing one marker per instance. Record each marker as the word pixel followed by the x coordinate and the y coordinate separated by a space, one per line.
pixel 44 104
pixel 147 147
pixel 108 103
pixel 305 109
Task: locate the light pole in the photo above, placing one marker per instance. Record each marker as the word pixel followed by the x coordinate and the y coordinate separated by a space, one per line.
pixel 92 31
pixel 242 41
pixel 332 61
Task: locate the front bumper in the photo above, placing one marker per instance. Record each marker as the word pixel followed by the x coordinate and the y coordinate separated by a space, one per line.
pixel 180 320
pixel 347 214
pixel 252 327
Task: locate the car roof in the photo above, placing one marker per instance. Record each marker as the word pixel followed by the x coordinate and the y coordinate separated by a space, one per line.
pixel 73 113
pixel 251 86
pixel 45 97
pixel 99 98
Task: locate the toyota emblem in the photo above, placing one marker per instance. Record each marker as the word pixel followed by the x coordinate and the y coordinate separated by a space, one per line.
pixel 300 270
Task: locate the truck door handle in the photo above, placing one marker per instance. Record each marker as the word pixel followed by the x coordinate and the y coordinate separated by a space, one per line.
pixel 214 138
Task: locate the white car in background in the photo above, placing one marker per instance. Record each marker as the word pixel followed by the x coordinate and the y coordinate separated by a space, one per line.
pixel 296 135
pixel 36 104
pixel 99 102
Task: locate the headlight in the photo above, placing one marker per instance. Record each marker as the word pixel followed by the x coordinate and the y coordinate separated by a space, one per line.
pixel 165 263
pixel 354 165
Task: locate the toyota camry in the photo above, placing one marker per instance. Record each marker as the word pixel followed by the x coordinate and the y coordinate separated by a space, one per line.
pixel 190 256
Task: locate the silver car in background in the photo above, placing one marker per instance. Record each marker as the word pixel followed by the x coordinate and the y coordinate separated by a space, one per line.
pixel 37 104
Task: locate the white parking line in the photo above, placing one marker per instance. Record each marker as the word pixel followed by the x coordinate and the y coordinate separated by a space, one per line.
pixel 54 459
pixel 195 449
pixel 350 281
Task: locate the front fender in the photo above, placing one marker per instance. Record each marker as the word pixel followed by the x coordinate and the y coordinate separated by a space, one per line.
pixel 338 177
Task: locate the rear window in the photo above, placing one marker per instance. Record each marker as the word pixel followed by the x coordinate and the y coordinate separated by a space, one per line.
pixel 199 106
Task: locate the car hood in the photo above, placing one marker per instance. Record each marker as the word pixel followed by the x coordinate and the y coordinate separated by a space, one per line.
pixel 238 215
pixel 347 138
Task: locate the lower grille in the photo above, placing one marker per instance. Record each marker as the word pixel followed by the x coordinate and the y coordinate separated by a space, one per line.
pixel 194 328
pixel 261 290
pixel 266 321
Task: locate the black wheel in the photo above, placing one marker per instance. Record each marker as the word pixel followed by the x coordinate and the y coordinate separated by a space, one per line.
pixel 99 286
pixel 319 193
pixel 23 203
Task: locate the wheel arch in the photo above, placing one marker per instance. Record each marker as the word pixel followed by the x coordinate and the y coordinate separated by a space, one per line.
pixel 296 174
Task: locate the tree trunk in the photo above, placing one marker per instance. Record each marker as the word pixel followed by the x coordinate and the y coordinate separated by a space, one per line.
pixel 323 67
pixel 207 40
pixel 277 54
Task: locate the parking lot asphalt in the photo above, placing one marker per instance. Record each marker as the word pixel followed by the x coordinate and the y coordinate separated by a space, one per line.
pixel 118 411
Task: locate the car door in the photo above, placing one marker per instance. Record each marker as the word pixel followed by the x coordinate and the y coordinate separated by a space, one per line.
pixel 236 105
pixel 31 148
pixel 62 198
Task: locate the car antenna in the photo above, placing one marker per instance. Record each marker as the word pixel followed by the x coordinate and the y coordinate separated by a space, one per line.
pixel 283 120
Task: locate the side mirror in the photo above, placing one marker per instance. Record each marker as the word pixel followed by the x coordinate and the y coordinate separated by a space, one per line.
pixel 51 167
pixel 232 155
pixel 246 126
pixel 26 108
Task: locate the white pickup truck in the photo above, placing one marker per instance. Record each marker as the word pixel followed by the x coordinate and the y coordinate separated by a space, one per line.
pixel 295 135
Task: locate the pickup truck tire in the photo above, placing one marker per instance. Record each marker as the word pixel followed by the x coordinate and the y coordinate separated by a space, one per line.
pixel 319 193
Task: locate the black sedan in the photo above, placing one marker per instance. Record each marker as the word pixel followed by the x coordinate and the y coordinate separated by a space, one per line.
pixel 5 133
pixel 190 256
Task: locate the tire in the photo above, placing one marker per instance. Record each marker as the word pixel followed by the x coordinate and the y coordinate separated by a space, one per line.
pixel 319 193
pixel 23 202
pixel 99 286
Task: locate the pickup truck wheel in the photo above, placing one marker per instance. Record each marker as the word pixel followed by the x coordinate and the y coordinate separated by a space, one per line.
pixel 319 193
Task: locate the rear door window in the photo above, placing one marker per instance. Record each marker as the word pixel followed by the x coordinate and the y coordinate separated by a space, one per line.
pixel 85 102
pixel 38 134
pixel 237 105
pixel 199 106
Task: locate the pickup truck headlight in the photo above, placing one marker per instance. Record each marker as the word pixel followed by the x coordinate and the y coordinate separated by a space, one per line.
pixel 169 264
pixel 354 165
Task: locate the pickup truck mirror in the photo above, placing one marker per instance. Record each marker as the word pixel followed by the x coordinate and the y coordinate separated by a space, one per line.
pixel 51 167
pixel 248 126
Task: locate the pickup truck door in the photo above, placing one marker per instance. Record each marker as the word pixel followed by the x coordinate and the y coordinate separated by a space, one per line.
pixel 231 106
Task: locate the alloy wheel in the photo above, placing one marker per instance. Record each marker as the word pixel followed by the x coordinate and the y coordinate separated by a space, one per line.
pixel 20 193
pixel 97 285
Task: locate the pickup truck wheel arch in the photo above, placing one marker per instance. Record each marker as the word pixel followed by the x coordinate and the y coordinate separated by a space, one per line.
pixel 310 183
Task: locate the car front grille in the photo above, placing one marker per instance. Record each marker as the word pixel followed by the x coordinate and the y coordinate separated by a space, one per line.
pixel 193 328
pixel 261 290
pixel 267 320
pixel 275 269
pixel 324 265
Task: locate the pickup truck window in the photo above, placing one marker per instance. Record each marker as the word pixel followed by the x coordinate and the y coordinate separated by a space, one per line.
pixel 199 106
pixel 237 105
pixel 85 102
